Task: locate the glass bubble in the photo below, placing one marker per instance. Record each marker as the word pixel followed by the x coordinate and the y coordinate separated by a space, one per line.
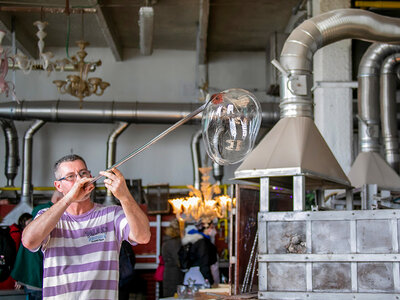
pixel 230 125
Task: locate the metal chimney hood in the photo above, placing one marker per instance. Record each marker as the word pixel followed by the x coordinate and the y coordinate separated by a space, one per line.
pixel 371 168
pixel 294 146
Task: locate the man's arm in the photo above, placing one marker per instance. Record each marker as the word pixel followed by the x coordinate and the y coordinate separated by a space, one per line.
pixel 37 230
pixel 137 219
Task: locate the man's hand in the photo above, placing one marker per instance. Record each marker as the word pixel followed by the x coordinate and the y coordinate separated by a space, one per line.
pixel 137 219
pixel 115 182
pixel 80 191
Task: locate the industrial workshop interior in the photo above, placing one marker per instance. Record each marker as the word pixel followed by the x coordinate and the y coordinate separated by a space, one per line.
pixel 268 128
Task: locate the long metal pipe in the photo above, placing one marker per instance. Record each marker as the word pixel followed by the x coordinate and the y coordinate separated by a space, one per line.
pixel 111 153
pixel 104 112
pixel 111 112
pixel 196 157
pixel 217 170
pixel 315 33
pixel 388 81
pixel 47 10
pixel 11 152
pixel 27 161
pixel 368 94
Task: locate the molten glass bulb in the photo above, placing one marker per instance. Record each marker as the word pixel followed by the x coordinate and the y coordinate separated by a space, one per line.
pixel 230 125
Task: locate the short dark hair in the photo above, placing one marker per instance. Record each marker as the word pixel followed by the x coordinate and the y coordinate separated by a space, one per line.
pixel 202 225
pixel 22 220
pixel 69 157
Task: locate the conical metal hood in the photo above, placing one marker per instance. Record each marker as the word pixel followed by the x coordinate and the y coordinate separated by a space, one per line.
pixel 371 168
pixel 294 146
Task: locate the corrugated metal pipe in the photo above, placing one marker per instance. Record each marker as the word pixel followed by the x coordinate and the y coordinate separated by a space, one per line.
pixel 111 154
pixel 11 152
pixel 196 157
pixel 315 33
pixel 102 112
pixel 110 112
pixel 389 78
pixel 27 161
pixel 368 94
pixel 217 170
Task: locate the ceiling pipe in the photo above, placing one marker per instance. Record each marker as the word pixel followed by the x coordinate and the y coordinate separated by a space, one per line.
pixel 111 112
pixel 108 112
pixel 368 94
pixel 388 81
pixel 315 33
pixel 369 167
pixel 24 206
pixel 295 143
pixel 218 172
pixel 196 158
pixel 11 152
pixel 111 154
pixel 27 162
pixel 47 10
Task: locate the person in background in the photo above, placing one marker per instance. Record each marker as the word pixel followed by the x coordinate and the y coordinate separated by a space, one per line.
pixel 80 239
pixel 28 267
pixel 173 276
pixel 203 253
pixel 127 261
pixel 15 233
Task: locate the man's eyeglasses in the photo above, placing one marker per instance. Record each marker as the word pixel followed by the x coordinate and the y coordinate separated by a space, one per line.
pixel 72 177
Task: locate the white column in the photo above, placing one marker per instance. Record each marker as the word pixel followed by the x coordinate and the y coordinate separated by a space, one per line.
pixel 333 105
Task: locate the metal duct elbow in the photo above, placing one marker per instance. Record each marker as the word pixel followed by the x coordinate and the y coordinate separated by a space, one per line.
pixel 368 94
pixel 12 155
pixel 196 158
pixel 111 154
pixel 388 80
pixel 27 162
pixel 315 33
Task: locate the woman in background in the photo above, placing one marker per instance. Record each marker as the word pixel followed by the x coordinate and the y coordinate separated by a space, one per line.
pixel 15 231
pixel 173 276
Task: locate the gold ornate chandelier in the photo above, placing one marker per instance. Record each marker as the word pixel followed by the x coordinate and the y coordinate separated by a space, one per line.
pixel 201 204
pixel 81 86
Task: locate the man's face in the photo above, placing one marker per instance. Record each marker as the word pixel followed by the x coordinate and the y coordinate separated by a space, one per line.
pixel 210 230
pixel 70 171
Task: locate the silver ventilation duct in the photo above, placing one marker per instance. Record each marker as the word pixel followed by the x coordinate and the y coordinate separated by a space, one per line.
pixel 111 154
pixel 27 161
pixel 110 112
pixel 369 159
pixel 12 156
pixel 24 205
pixel 104 112
pixel 217 170
pixel 368 94
pixel 296 128
pixel 388 109
pixel 196 158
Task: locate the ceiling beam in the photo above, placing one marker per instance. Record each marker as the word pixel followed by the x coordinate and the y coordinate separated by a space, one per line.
pixel 110 33
pixel 24 42
pixel 201 45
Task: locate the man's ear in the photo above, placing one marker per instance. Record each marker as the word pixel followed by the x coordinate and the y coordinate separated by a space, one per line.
pixel 57 185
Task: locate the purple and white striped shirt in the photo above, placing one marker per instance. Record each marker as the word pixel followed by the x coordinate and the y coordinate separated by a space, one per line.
pixel 81 254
